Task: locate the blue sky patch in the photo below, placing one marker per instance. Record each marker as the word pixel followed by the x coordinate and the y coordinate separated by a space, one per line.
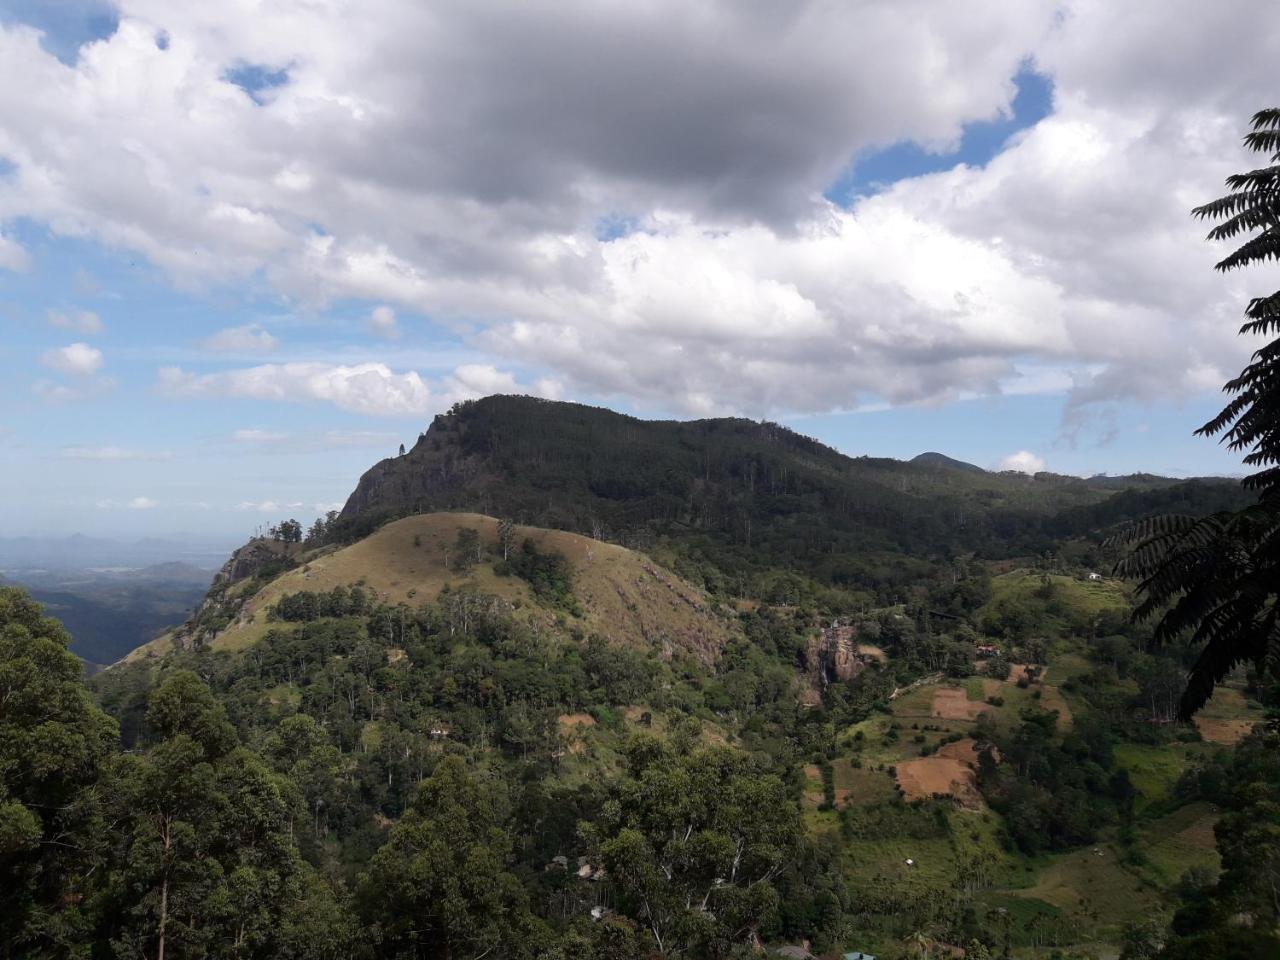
pixel 257 80
pixel 67 25
pixel 980 142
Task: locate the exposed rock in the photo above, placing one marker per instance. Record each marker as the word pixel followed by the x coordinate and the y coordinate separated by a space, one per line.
pixel 838 655
pixel 217 609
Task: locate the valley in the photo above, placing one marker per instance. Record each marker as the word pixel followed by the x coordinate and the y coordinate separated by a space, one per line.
pixel 967 743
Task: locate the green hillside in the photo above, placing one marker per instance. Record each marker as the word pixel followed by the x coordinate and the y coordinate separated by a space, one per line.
pixel 619 595
pixel 859 704
pixel 736 498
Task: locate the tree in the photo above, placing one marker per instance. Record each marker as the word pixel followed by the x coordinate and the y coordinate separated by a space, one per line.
pixel 694 843
pixel 439 886
pixel 468 547
pixel 506 536
pixel 1218 577
pixel 53 743
pixel 205 860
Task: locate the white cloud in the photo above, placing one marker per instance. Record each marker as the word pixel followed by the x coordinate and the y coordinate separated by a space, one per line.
pixel 51 392
pixel 13 256
pixel 368 388
pixel 711 130
pixel 112 453
pixel 382 323
pixel 1024 461
pixel 81 321
pixel 260 506
pixel 248 339
pixel 323 508
pixel 76 359
pixel 253 435
pixel 136 503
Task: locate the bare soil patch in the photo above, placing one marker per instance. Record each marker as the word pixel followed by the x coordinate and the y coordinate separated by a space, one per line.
pixel 952 703
pixel 966 751
pixel 812 798
pixel 1051 698
pixel 1218 730
pixel 944 776
pixel 575 721
pixel 1200 834
pixel 1020 671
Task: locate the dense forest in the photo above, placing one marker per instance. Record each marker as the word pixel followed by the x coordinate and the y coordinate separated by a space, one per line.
pixel 742 498
pixel 461 776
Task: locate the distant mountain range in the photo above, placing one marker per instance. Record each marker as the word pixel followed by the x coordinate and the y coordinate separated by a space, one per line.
pixel 80 552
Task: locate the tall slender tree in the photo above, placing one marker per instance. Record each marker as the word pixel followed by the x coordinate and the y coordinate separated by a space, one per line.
pixel 1216 578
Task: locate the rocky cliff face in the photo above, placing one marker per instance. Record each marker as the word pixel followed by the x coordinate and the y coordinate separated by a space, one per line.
pixel 218 609
pixel 837 653
pixel 435 474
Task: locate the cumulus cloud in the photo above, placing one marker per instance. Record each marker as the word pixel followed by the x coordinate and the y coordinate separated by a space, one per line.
pixel 368 388
pixel 248 339
pixel 81 321
pixel 76 359
pixel 255 435
pixel 112 453
pixel 257 506
pixel 1024 461
pixel 382 323
pixel 136 503
pixel 13 256
pixel 708 133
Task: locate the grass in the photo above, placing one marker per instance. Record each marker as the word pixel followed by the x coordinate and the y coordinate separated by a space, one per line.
pixel 1095 892
pixel 861 787
pixel 625 597
pixel 1228 715
pixel 1180 841
pixel 1153 770
pixel 1079 596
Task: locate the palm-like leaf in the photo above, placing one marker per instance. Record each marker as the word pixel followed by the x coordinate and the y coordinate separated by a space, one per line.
pixel 1217 579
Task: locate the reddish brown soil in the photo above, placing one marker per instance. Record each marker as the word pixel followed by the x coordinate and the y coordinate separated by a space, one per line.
pixel 1223 731
pixel 945 776
pixel 952 703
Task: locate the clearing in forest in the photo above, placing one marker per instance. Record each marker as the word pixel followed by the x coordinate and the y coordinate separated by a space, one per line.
pixel 942 776
pixel 1227 717
pixel 952 703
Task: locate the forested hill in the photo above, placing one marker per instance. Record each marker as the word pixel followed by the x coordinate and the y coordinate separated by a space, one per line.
pixel 741 491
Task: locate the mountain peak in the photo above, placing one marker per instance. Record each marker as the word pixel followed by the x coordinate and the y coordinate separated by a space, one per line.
pixel 932 458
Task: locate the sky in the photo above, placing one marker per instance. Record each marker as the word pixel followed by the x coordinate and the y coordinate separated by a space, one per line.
pixel 248 248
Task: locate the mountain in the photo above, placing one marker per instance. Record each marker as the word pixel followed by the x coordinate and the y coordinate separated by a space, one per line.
pixel 79 552
pixel 611 592
pixel 905 689
pixel 736 497
pixel 933 459
pixel 108 615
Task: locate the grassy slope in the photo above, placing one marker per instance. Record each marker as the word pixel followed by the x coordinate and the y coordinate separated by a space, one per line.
pixel 1088 597
pixel 1082 896
pixel 625 597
